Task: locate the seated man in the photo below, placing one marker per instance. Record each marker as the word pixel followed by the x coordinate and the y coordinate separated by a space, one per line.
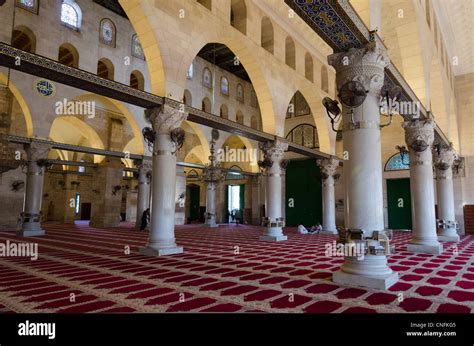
pixel 302 229
pixel 316 229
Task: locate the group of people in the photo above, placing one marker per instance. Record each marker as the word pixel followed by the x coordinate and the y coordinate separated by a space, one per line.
pixel 313 229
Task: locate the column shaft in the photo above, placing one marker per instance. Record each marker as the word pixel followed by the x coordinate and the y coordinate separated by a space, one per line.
pixel 143 197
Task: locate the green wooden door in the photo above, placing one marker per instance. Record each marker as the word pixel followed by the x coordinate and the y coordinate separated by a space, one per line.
pixel 303 193
pixel 194 203
pixel 399 204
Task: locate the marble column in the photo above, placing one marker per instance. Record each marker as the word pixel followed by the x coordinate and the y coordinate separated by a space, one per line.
pixel 30 218
pixel 328 170
pixel 274 221
pixel 419 136
pixel 212 176
pixel 447 225
pixel 362 163
pixel 143 198
pixel 162 240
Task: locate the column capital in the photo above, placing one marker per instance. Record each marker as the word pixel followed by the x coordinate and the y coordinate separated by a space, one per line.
pixel 37 151
pixel 328 167
pixel 144 165
pixel 365 65
pixel 419 134
pixel 273 150
pixel 165 118
pixel 444 159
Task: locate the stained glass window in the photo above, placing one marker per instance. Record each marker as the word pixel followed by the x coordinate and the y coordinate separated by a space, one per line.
pixel 107 32
pixel 234 175
pixel 207 78
pixel 69 15
pixel 396 163
pixel 224 86
pixel 240 93
pixel 29 5
pixel 137 50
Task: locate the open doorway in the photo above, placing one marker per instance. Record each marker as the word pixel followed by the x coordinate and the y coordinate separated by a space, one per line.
pixel 193 192
pixel 235 198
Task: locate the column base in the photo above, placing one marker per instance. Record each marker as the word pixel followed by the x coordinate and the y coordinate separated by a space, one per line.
pixel 211 225
pixel 273 238
pixel 149 251
pixel 381 283
pixel 435 249
pixel 450 238
pixel 30 233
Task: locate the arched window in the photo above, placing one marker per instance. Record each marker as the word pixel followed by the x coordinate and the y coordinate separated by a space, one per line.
pixel 206 105
pixel 29 5
pixel 193 174
pixel 224 112
pixel 206 3
pixel 397 163
pixel 267 34
pixel 207 78
pixel 290 59
pixel 137 50
pixel 240 93
pixel 254 122
pixel 298 106
pixel 308 67
pixel 188 98
pixel 68 55
pixel 105 69
pixel 304 134
pixel 324 79
pixel 137 81
pixel 428 12
pixel 239 117
pixel 107 32
pixel 24 39
pixel 81 169
pixel 238 15
pixel 189 74
pixel 71 14
pixel 253 99
pixel 224 86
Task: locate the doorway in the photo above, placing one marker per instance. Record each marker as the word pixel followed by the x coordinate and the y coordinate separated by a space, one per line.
pixel 194 192
pixel 235 203
pixel 399 204
pixel 86 211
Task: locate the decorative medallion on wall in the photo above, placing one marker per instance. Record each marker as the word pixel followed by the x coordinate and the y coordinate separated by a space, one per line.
pixel 44 87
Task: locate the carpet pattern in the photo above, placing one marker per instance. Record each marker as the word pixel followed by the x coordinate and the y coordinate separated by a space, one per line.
pixel 81 269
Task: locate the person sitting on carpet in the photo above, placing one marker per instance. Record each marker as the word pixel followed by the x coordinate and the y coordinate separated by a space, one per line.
pixel 145 219
pixel 302 229
pixel 316 229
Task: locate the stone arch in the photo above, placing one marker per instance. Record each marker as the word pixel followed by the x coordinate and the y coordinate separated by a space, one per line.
pixel 140 17
pixel 266 34
pixel 239 118
pixel 238 142
pixel 188 98
pixel 224 112
pixel 290 52
pixel 238 15
pixel 197 130
pixel 22 102
pixel 105 69
pixel 71 130
pixel 23 38
pixel 68 55
pixel 254 122
pixel 137 80
pixel 206 105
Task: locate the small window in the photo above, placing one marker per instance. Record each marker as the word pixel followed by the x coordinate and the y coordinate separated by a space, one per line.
pixel 81 169
pixel 224 86
pixel 78 202
pixel 240 93
pixel 71 14
pixel 207 78
pixel 29 5
pixel 253 99
pixel 137 50
pixel 189 75
pixel 398 163
pixel 107 32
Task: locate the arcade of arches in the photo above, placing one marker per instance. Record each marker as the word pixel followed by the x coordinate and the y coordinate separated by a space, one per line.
pixel 402 194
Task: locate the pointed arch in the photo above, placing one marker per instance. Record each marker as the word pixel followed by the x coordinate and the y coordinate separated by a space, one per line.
pixel 238 15
pixel 266 34
pixel 290 54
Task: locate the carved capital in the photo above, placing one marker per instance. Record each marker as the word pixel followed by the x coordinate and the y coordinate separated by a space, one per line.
pixel 37 151
pixel 165 118
pixel 328 167
pixel 273 150
pixel 144 166
pixel 419 134
pixel 444 160
pixel 365 65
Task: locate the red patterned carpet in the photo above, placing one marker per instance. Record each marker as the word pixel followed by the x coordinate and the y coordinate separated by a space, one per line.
pixel 82 269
